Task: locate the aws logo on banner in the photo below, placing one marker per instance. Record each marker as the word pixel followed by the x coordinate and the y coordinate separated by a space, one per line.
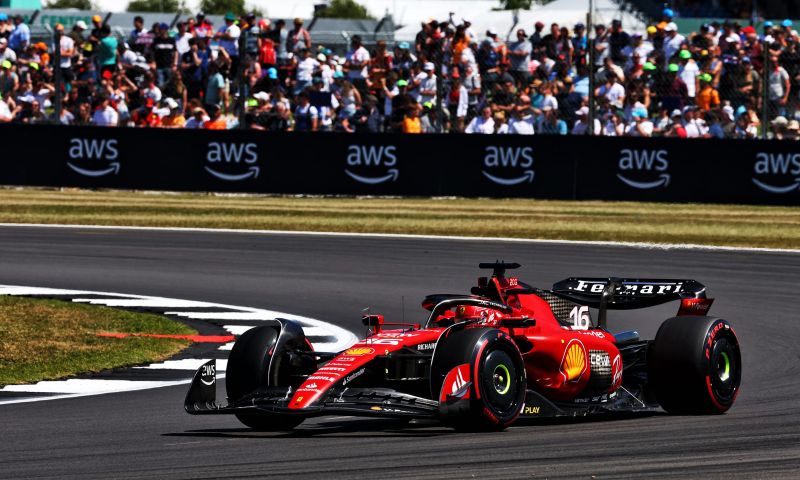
pixel 375 163
pixel 232 161
pixel 783 171
pixel 93 151
pixel 515 164
pixel 648 163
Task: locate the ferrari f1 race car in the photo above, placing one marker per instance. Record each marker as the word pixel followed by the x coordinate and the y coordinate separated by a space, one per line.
pixel 482 361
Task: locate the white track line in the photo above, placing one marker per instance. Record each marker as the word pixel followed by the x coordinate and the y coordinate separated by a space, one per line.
pixel 637 245
pixel 82 387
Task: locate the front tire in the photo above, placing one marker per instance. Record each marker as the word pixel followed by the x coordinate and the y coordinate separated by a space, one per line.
pixel 248 369
pixel 695 365
pixel 497 373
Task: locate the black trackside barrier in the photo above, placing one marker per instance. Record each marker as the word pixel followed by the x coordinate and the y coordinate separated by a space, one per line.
pixel 551 167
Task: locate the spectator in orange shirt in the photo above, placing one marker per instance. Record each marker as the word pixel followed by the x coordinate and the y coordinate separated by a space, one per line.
pixel 216 122
pixel 175 118
pixel 411 122
pixel 707 97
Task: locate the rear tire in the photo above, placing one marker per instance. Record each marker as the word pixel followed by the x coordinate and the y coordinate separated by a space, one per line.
pixel 695 365
pixel 497 394
pixel 248 370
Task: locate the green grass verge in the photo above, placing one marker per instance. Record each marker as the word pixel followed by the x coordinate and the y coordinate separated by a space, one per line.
pixel 734 225
pixel 51 339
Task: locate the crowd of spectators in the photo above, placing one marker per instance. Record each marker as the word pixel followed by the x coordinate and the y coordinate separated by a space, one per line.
pixel 718 82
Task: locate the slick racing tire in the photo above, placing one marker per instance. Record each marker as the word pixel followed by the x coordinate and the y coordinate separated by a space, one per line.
pixel 497 379
pixel 248 370
pixel 695 365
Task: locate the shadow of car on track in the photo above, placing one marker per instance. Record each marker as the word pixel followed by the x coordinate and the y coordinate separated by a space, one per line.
pixel 370 427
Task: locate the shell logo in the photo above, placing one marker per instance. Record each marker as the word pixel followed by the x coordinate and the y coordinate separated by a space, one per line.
pixel 574 363
pixel 359 351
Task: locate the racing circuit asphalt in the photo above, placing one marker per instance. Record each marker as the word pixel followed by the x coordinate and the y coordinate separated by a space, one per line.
pixel 146 434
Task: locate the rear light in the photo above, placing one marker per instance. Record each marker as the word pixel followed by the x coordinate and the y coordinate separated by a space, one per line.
pixel 695 306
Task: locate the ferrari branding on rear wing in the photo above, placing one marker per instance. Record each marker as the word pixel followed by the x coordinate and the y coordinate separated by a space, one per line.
pixel 624 293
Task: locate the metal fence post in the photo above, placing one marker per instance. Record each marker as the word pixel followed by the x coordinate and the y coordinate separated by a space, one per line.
pixel 240 82
pixel 59 78
pixel 437 62
pixel 765 95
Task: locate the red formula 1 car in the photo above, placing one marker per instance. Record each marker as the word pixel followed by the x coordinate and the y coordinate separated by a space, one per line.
pixel 482 361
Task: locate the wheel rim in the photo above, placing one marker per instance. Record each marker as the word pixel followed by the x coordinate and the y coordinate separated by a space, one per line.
pixel 724 369
pixel 725 365
pixel 501 379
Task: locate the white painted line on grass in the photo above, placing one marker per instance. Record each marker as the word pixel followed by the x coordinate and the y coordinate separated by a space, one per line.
pixel 184 368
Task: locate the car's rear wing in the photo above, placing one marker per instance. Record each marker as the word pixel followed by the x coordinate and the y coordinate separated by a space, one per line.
pixel 627 293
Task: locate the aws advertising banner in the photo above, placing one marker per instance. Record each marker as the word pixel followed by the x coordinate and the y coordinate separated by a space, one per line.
pixel 756 172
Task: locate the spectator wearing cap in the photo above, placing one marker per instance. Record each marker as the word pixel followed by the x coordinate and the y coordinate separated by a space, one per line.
pixel 228 38
pixel 165 55
pixel 673 91
pixel 600 44
pixel 76 34
pixel 488 64
pixel 640 126
pixel 618 39
pixel 581 126
pixel 638 47
pixel 174 118
pixel 673 40
pixel 579 41
pixel 519 53
pixel 306 116
pixel 401 103
pixel 724 126
pixel 252 31
pixel 5 25
pixel 483 123
pixel 20 37
pixel 367 119
pixel 688 71
pixel 536 37
pixel 707 96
